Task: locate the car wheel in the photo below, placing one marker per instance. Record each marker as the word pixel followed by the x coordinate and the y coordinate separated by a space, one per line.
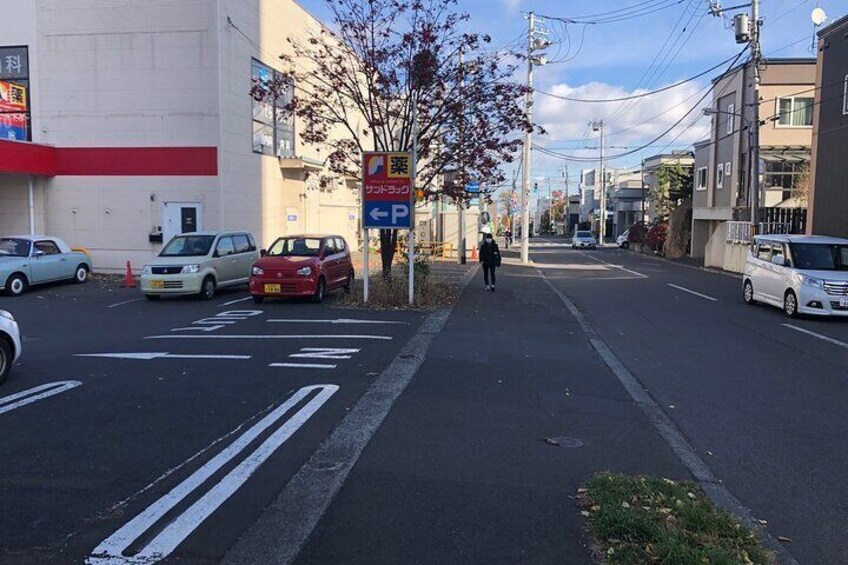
pixel 349 283
pixel 625 245
pixel 748 293
pixel 81 274
pixel 207 289
pixel 790 304
pixel 5 359
pixel 258 299
pixel 318 297
pixel 152 297
pixel 16 285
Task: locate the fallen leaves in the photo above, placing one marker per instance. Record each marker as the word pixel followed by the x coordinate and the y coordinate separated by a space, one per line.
pixel 551 441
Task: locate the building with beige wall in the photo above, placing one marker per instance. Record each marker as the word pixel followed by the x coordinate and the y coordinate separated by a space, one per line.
pixel 140 125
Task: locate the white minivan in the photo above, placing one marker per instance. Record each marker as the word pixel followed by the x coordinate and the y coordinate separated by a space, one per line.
pixel 800 274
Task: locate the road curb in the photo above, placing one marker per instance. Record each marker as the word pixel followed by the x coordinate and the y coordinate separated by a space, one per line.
pixel 668 430
pixel 286 524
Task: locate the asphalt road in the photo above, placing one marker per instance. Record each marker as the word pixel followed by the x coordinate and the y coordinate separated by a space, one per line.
pixel 174 442
pixel 763 402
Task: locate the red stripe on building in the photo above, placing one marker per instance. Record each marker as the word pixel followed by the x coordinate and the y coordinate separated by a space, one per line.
pixel 44 160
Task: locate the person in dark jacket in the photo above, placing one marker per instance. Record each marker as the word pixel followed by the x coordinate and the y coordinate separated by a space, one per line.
pixel 490 256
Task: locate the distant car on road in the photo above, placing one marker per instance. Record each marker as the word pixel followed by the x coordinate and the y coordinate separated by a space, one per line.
pixel 199 263
pixel 27 260
pixel 583 239
pixel 622 240
pixel 303 265
pixel 800 274
pixel 10 343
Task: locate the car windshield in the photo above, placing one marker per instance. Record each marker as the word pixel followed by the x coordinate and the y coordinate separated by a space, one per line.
pixel 584 234
pixel 188 246
pixel 820 256
pixel 14 247
pixel 295 247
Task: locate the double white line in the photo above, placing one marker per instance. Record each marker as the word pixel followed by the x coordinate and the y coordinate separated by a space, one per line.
pixel 111 551
pixel 11 402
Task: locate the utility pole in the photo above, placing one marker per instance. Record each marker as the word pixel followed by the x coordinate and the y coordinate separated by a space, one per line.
pixel 599 127
pixel 460 202
pixel 534 43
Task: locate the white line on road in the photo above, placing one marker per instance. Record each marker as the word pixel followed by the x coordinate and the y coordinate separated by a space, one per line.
pixel 816 335
pixel 326 336
pixel 324 353
pixel 626 270
pixel 111 551
pixel 302 366
pixel 158 355
pixel 339 321
pixel 236 301
pixel 126 302
pixel 11 402
pixel 693 292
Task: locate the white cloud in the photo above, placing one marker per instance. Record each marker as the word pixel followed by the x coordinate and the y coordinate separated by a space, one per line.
pixel 511 6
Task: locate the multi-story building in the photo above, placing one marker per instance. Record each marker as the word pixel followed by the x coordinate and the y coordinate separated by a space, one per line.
pixel 628 203
pixel 651 176
pixel 828 198
pixel 721 197
pixel 136 123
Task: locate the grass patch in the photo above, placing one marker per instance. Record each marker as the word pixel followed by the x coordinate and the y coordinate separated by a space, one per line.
pixel 393 293
pixel 643 520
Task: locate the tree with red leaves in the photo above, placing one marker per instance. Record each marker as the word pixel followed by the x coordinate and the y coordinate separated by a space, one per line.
pixel 386 57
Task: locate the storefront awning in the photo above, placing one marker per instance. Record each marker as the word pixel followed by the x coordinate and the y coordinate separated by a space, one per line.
pixel 785 154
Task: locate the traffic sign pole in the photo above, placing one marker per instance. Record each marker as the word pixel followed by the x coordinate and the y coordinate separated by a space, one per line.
pixel 367 273
pixel 412 187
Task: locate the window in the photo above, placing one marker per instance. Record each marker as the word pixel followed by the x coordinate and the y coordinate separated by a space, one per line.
pixel 764 251
pixel 188 246
pixel 47 247
pixel 719 175
pixel 795 112
pixel 727 169
pixel 701 179
pixel 330 246
pixel 730 118
pixel 295 246
pixel 225 247
pixel 776 251
pixel 783 175
pixel 273 127
pixel 340 245
pixel 241 243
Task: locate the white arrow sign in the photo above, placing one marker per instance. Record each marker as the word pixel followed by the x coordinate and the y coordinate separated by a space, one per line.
pixel 376 214
pixel 159 355
pixel 324 353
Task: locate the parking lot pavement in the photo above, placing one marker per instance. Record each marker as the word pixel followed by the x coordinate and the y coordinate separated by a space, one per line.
pixel 760 396
pixel 164 428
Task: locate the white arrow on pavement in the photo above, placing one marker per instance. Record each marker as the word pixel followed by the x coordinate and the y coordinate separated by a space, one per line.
pixel 159 355
pixel 339 321
pixel 376 214
pixel 325 353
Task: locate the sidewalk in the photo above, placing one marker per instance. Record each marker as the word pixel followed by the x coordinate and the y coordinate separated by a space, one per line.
pixel 460 473
pixel 448 270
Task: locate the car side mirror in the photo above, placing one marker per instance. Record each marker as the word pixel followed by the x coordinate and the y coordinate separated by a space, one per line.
pixel 263 252
pixel 779 260
pixel 38 253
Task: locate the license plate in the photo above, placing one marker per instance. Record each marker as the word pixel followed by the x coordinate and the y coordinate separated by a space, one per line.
pixel 843 302
pixel 272 288
pixel 156 283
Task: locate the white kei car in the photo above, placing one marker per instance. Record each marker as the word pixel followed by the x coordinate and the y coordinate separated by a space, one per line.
pixel 798 273
pixel 10 343
pixel 583 239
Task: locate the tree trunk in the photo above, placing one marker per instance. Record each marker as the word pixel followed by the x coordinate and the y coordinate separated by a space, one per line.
pixel 388 244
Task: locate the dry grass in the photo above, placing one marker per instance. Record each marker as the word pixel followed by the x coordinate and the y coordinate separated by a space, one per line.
pixel 393 294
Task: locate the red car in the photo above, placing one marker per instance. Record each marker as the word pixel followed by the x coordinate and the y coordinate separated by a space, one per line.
pixel 302 265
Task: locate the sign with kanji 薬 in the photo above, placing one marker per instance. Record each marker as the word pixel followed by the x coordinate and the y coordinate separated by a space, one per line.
pixel 387 190
pixel 13 111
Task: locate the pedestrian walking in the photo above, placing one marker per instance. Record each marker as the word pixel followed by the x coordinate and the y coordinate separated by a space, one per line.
pixel 490 256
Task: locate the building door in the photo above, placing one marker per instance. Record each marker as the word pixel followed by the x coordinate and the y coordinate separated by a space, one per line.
pixel 181 217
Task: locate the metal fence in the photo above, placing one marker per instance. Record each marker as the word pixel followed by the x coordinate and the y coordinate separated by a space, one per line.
pixel 739 232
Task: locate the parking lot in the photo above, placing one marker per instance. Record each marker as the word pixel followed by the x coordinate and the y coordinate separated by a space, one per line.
pixel 163 429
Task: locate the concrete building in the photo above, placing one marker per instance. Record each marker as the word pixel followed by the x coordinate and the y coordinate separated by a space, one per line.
pixel 628 203
pixel 651 168
pixel 828 198
pixel 722 222
pixel 139 125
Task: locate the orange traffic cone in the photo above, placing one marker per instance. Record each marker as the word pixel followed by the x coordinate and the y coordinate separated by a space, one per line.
pixel 474 252
pixel 129 280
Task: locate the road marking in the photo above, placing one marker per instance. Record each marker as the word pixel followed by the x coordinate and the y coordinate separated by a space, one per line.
pixel 302 366
pixel 626 270
pixel 693 292
pixel 816 335
pixel 339 321
pixel 111 551
pixel 231 302
pixel 158 355
pixel 11 402
pixel 324 353
pixel 325 336
pixel 126 302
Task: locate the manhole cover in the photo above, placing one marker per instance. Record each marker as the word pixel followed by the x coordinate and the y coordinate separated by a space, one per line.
pixel 568 442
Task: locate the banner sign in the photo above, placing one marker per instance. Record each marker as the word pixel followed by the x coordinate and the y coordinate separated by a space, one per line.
pixel 13 111
pixel 386 190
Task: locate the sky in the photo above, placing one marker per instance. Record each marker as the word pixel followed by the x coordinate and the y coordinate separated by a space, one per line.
pixel 667 41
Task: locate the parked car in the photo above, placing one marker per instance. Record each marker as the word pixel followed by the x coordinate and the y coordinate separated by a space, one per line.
pixel 583 239
pixel 303 265
pixel 800 274
pixel 199 263
pixel 27 260
pixel 622 240
pixel 10 343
